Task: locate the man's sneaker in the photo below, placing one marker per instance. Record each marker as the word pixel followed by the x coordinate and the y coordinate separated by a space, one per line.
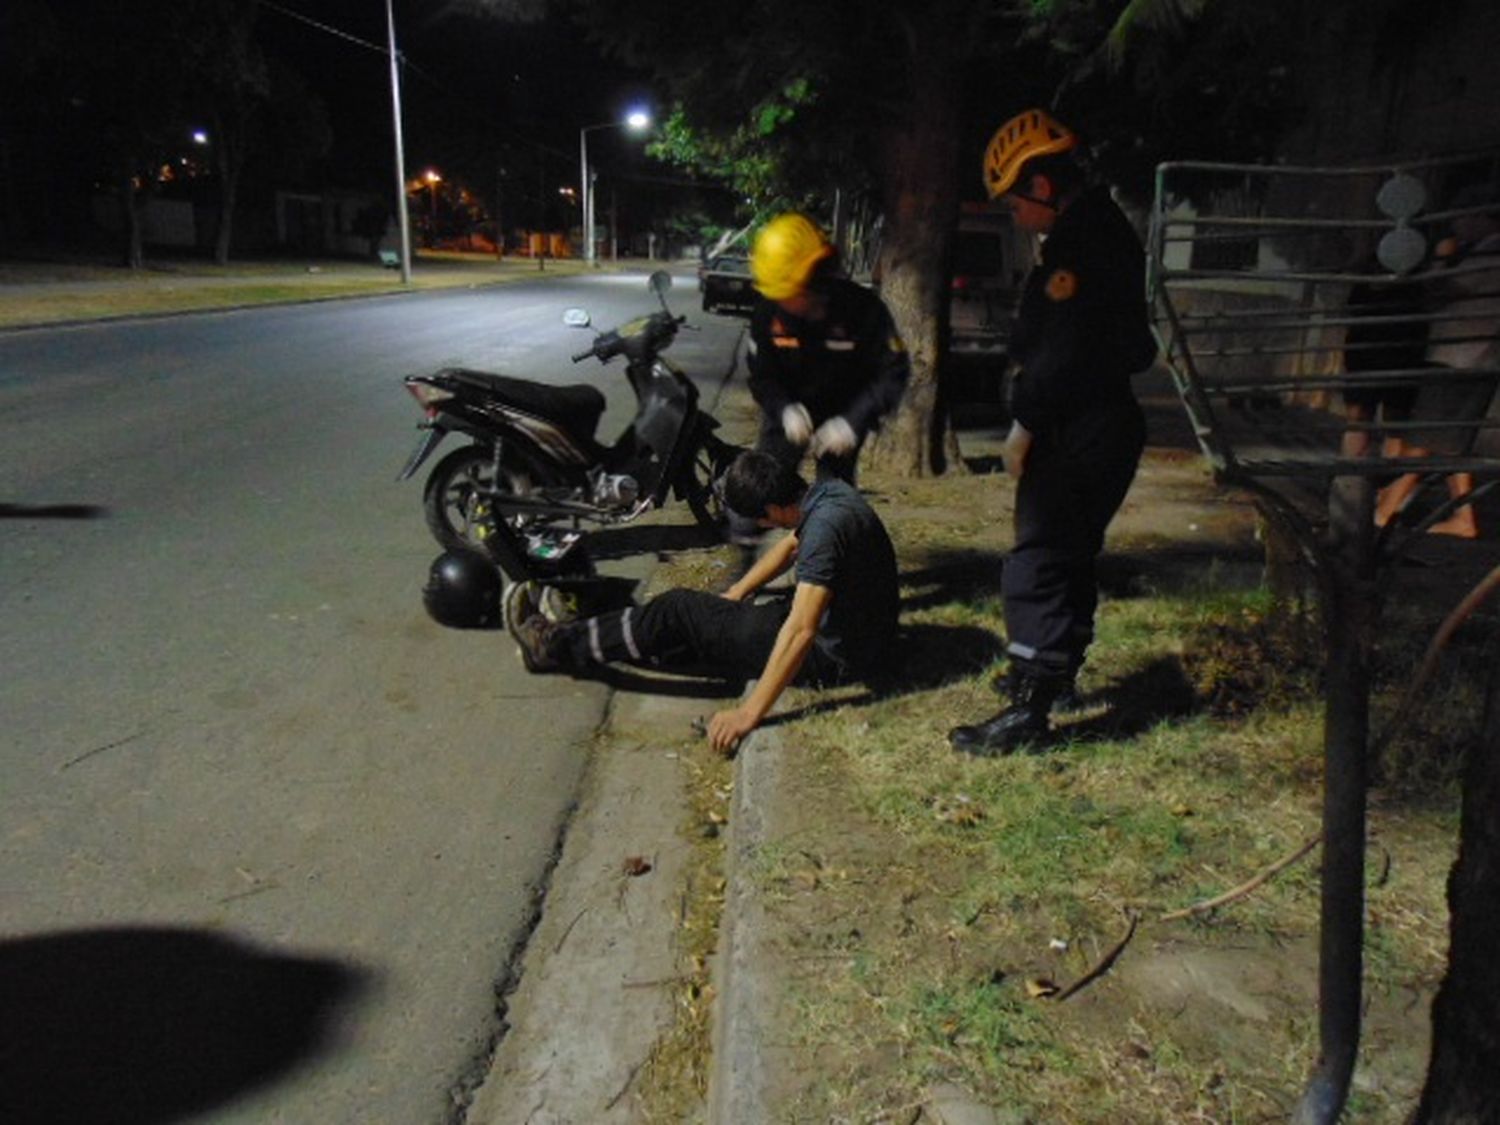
pixel 558 606
pixel 520 601
pixel 537 639
pixel 526 599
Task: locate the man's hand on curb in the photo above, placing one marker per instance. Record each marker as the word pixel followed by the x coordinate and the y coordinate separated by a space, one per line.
pixel 727 728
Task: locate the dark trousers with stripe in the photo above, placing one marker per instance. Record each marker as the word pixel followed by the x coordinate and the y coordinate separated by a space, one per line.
pixel 683 628
pixel 1074 483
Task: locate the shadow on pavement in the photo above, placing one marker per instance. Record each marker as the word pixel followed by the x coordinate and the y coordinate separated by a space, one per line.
pixel 53 511
pixel 148 1025
pixel 622 542
pixel 682 683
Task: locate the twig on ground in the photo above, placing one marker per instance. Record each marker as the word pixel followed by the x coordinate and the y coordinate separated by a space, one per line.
pixel 1244 888
pixel 101 749
pixel 1407 708
pixel 558 947
pixel 1105 963
pixel 629 1078
pixel 658 982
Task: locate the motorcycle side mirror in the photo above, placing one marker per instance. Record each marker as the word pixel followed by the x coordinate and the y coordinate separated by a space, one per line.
pixel 576 318
pixel 660 282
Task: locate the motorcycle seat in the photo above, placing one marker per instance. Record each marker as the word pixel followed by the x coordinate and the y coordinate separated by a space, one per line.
pixel 576 407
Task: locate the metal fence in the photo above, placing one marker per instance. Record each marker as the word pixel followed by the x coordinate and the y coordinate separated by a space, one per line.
pixel 1333 321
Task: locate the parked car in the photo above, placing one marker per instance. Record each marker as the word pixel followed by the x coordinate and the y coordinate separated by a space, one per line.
pixel 725 282
pixel 990 261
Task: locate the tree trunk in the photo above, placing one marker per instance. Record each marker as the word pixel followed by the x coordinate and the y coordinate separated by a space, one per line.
pixel 133 211
pixel 919 156
pixel 1463 1074
pixel 230 164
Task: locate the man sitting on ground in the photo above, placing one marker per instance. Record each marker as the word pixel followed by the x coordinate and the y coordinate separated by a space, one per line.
pixel 839 625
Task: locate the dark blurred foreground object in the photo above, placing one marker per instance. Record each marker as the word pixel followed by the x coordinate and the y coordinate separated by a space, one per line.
pixel 152 1025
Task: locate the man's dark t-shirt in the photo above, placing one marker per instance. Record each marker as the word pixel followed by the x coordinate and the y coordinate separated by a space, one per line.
pixel 843 547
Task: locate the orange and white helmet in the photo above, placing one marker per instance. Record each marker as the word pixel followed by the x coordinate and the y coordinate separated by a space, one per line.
pixel 1025 136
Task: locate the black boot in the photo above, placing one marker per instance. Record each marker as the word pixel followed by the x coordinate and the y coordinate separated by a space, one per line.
pixel 1069 703
pixel 1023 723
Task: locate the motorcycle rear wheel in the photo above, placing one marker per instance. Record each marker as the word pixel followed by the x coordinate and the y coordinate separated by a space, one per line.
pixel 456 497
pixel 699 484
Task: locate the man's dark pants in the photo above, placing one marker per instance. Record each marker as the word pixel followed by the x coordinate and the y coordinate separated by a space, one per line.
pixel 1075 481
pixel 690 629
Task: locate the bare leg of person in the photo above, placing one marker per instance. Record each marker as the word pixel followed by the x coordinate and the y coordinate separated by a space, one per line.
pixel 1393 497
pixel 1356 443
pixel 1462 522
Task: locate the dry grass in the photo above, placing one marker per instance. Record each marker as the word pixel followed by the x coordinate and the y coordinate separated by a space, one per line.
pixel 38 293
pixel 918 896
pixel 958 884
pixel 672 1084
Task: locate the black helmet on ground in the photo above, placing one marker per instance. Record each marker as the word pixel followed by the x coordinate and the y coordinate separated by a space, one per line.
pixel 463 590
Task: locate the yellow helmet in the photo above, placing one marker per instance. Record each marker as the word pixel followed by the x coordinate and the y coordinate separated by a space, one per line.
pixel 786 251
pixel 1026 135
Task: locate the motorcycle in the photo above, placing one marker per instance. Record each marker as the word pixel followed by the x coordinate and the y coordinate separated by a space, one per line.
pixel 534 471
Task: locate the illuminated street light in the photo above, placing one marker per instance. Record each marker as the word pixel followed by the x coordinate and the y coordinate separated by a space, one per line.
pixel 636 120
pixel 433 179
pixel 200 137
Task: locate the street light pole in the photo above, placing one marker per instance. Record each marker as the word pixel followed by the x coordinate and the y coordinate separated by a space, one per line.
pixel 587 216
pixel 402 219
pixel 638 119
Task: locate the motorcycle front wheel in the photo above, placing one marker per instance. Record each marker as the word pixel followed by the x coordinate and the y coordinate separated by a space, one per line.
pixel 456 498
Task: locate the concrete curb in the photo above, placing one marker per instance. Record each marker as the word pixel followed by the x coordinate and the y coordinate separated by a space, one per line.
pixel 594 991
pixel 738 1086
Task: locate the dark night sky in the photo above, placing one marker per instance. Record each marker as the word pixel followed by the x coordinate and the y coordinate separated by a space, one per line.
pixel 470 82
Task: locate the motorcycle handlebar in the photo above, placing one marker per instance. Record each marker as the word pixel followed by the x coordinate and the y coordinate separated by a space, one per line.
pixel 609 344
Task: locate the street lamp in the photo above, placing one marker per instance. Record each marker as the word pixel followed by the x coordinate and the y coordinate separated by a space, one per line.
pixel 636 120
pixel 433 179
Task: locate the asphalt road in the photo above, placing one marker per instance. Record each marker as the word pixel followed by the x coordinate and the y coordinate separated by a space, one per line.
pixel 268 836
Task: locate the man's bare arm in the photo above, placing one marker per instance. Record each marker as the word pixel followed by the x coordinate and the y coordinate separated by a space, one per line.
pixel 778 557
pixel 798 631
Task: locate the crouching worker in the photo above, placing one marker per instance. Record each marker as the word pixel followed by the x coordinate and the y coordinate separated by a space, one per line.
pixel 839 624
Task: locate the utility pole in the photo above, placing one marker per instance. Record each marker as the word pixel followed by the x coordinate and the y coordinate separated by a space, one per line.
pixel 402 218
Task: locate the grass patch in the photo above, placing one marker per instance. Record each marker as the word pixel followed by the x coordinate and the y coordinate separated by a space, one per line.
pixel 965 884
pixel 38 293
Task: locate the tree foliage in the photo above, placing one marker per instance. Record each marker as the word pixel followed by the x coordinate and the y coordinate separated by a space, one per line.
pixel 128 84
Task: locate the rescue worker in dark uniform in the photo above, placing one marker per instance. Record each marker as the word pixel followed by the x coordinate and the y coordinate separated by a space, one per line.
pixel 826 363
pixel 1081 332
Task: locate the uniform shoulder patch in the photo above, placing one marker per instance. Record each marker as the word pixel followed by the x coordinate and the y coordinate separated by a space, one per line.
pixel 1062 285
